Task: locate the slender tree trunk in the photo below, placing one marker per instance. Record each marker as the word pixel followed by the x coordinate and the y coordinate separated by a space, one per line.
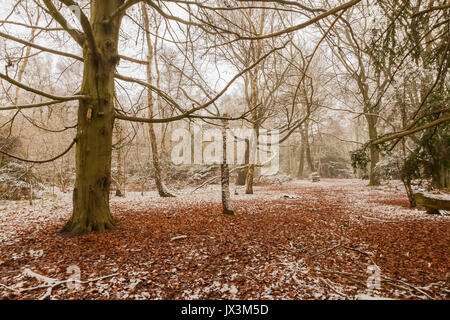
pixel 25 60
pixel 30 184
pixel 406 179
pixel 251 166
pixel 91 210
pixel 292 165
pixel 119 182
pixel 308 148
pixel 254 96
pixel 255 117
pixel 409 193
pixel 374 179
pixel 160 186
pixel 301 163
pixel 225 173
pixel 163 152
pixel 242 173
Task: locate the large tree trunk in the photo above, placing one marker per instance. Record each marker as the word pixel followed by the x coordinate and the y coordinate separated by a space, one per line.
pixel 160 186
pixel 95 126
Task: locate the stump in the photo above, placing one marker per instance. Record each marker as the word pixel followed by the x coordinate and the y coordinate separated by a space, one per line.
pixel 315 177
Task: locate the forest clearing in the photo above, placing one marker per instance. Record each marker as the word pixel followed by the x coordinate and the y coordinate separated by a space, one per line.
pixel 271 249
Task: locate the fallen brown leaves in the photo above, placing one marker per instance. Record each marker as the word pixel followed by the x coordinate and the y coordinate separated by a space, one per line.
pixel 268 250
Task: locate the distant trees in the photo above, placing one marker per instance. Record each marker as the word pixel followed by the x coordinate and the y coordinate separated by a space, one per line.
pixel 413 39
pixel 98 37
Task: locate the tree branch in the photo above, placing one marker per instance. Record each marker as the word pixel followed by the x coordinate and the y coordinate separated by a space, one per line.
pixel 38 92
pixel 36 46
pixel 35 105
pixel 411 131
pixel 41 161
pixel 76 35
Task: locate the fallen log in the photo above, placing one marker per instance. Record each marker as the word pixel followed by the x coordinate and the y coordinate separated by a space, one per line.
pixel 433 202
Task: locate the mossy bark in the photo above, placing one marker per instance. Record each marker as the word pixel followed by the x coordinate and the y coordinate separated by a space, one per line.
pixel 91 210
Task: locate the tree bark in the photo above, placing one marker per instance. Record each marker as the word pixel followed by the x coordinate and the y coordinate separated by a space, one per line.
pixel 374 179
pixel 91 210
pixel 242 173
pixel 308 148
pixel 301 163
pixel 253 101
pixel 120 192
pixel 255 117
pixel 225 173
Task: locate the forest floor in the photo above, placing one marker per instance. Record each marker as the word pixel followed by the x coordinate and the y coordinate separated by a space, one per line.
pixel 297 240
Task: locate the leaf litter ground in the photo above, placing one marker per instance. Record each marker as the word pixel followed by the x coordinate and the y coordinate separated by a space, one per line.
pixel 297 240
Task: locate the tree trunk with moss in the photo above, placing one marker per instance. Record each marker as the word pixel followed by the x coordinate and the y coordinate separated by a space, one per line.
pixel 91 210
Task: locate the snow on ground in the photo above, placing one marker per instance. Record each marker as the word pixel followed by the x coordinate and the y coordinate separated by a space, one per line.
pixel 264 253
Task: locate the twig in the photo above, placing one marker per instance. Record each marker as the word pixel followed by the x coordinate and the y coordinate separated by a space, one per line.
pixel 346 248
pixel 362 252
pixel 409 285
pixel 333 288
pixel 384 279
pixel 326 250
pixel 178 238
